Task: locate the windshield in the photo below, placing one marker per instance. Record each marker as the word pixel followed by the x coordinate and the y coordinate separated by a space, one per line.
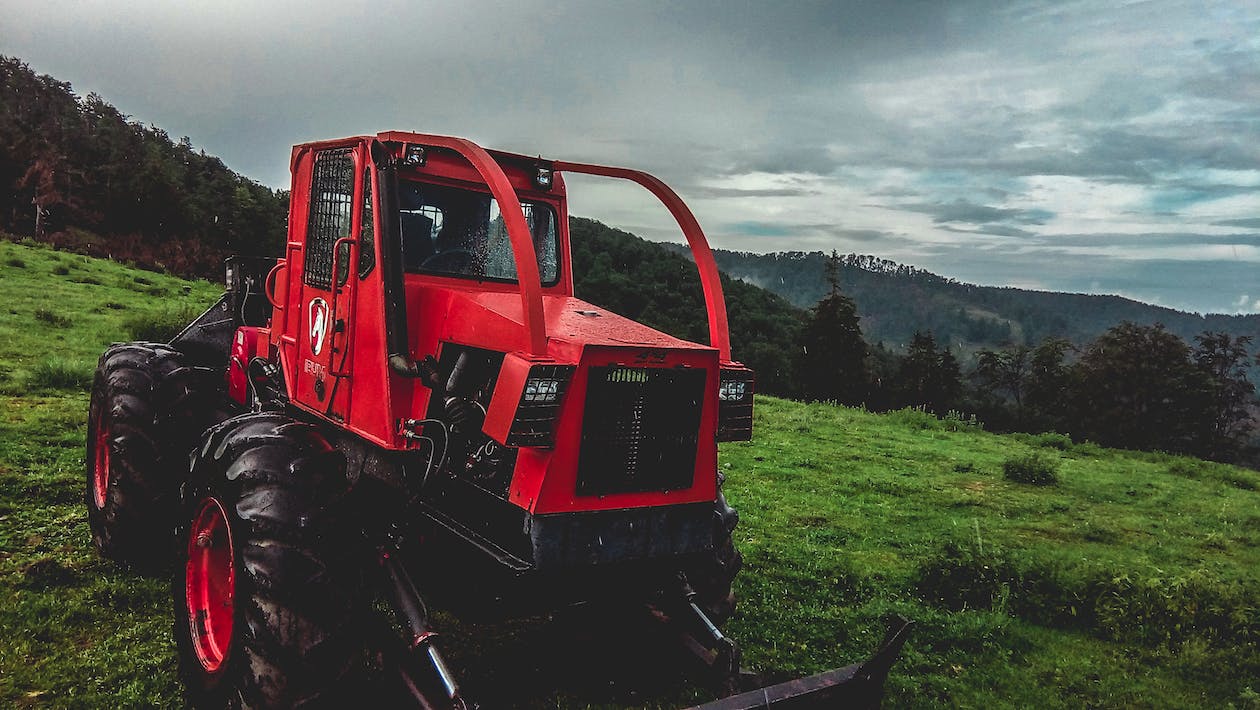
pixel 456 232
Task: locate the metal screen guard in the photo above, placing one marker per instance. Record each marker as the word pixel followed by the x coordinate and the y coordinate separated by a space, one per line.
pixel 710 281
pixel 527 276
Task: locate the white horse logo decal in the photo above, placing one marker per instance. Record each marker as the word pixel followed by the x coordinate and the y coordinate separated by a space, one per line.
pixel 319 324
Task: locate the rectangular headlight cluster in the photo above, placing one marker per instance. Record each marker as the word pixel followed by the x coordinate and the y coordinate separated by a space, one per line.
pixel 734 390
pixel 735 405
pixel 540 402
pixel 542 390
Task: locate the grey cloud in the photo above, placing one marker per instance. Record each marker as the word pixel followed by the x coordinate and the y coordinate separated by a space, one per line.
pixel 724 192
pixel 1152 239
pixel 1249 223
pixel 998 230
pixel 961 210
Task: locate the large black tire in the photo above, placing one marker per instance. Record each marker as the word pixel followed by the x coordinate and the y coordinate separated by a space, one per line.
pixel 713 577
pixel 275 486
pixel 148 411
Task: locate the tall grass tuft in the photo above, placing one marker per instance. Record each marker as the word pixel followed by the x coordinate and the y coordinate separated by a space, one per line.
pixel 57 373
pixel 1033 469
pixel 159 326
pixel 43 315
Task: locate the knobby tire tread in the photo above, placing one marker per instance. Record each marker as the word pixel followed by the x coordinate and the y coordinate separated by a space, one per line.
pixel 299 643
pixel 154 408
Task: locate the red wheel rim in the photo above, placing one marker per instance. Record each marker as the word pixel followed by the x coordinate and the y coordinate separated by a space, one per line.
pixel 210 584
pixel 100 463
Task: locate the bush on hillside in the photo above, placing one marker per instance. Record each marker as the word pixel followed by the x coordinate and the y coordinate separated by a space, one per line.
pixel 159 326
pixel 44 315
pixel 58 374
pixel 1148 607
pixel 1033 469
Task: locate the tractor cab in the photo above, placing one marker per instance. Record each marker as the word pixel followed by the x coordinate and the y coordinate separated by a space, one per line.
pixel 429 280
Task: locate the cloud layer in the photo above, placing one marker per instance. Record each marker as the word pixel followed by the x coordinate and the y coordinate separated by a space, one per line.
pixel 1089 146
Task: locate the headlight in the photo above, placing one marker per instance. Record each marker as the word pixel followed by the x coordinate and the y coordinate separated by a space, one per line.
pixel 541 390
pixel 735 405
pixel 733 390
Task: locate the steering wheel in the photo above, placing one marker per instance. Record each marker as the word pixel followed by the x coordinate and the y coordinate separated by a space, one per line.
pixel 455 260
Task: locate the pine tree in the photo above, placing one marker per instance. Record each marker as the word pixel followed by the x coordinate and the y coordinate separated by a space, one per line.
pixel 1224 359
pixel 928 377
pixel 833 353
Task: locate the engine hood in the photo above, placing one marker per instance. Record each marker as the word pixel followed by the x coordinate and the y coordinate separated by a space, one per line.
pixel 494 320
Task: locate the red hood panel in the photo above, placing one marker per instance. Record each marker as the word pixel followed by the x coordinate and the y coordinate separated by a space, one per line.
pixel 570 322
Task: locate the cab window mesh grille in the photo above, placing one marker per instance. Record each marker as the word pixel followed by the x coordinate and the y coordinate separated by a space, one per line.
pixel 332 192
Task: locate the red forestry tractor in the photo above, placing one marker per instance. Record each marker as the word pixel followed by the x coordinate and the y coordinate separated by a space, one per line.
pixel 411 398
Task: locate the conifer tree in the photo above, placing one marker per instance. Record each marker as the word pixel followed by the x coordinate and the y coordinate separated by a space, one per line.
pixel 833 353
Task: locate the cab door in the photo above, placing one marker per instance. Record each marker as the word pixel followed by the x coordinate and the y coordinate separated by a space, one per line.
pixel 330 257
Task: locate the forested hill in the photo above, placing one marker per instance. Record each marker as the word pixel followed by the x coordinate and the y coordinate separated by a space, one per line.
pixel 76 172
pixel 895 300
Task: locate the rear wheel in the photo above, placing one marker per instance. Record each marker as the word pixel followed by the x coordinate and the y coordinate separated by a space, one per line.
pixel 264 599
pixel 147 411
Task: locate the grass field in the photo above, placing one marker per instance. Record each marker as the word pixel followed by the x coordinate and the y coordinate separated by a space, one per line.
pixel 1134 580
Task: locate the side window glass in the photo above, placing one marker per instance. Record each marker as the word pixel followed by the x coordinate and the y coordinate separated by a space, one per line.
pixel 332 193
pixel 499 261
pixel 367 237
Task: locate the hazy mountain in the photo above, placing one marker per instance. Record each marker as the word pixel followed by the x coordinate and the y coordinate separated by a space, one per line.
pixel 894 300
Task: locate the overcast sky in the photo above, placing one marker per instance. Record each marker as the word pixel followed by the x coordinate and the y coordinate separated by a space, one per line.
pixel 1099 147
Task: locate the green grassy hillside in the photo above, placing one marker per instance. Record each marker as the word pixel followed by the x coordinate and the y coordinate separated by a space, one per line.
pixel 1132 581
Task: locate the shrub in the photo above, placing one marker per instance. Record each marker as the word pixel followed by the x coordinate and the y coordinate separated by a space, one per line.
pixel 1053 440
pixel 1186 468
pixel 914 417
pixel 955 420
pixel 58 374
pixel 159 326
pixel 57 320
pixel 1148 607
pixel 1033 469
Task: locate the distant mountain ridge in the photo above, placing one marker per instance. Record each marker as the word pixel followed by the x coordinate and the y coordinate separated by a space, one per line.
pixel 894 300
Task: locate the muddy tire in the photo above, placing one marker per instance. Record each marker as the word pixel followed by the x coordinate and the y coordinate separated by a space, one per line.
pixel 147 412
pixel 264 596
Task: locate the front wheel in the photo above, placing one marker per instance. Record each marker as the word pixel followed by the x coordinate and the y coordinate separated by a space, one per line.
pixel 264 599
pixel 714 576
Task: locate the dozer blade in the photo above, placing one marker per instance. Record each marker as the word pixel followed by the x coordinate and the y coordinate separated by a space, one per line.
pixel 860 685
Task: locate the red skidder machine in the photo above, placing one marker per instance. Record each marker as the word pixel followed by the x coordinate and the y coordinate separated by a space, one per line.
pixel 411 398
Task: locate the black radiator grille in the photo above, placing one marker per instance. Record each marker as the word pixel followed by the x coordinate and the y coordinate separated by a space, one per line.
pixel 640 429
